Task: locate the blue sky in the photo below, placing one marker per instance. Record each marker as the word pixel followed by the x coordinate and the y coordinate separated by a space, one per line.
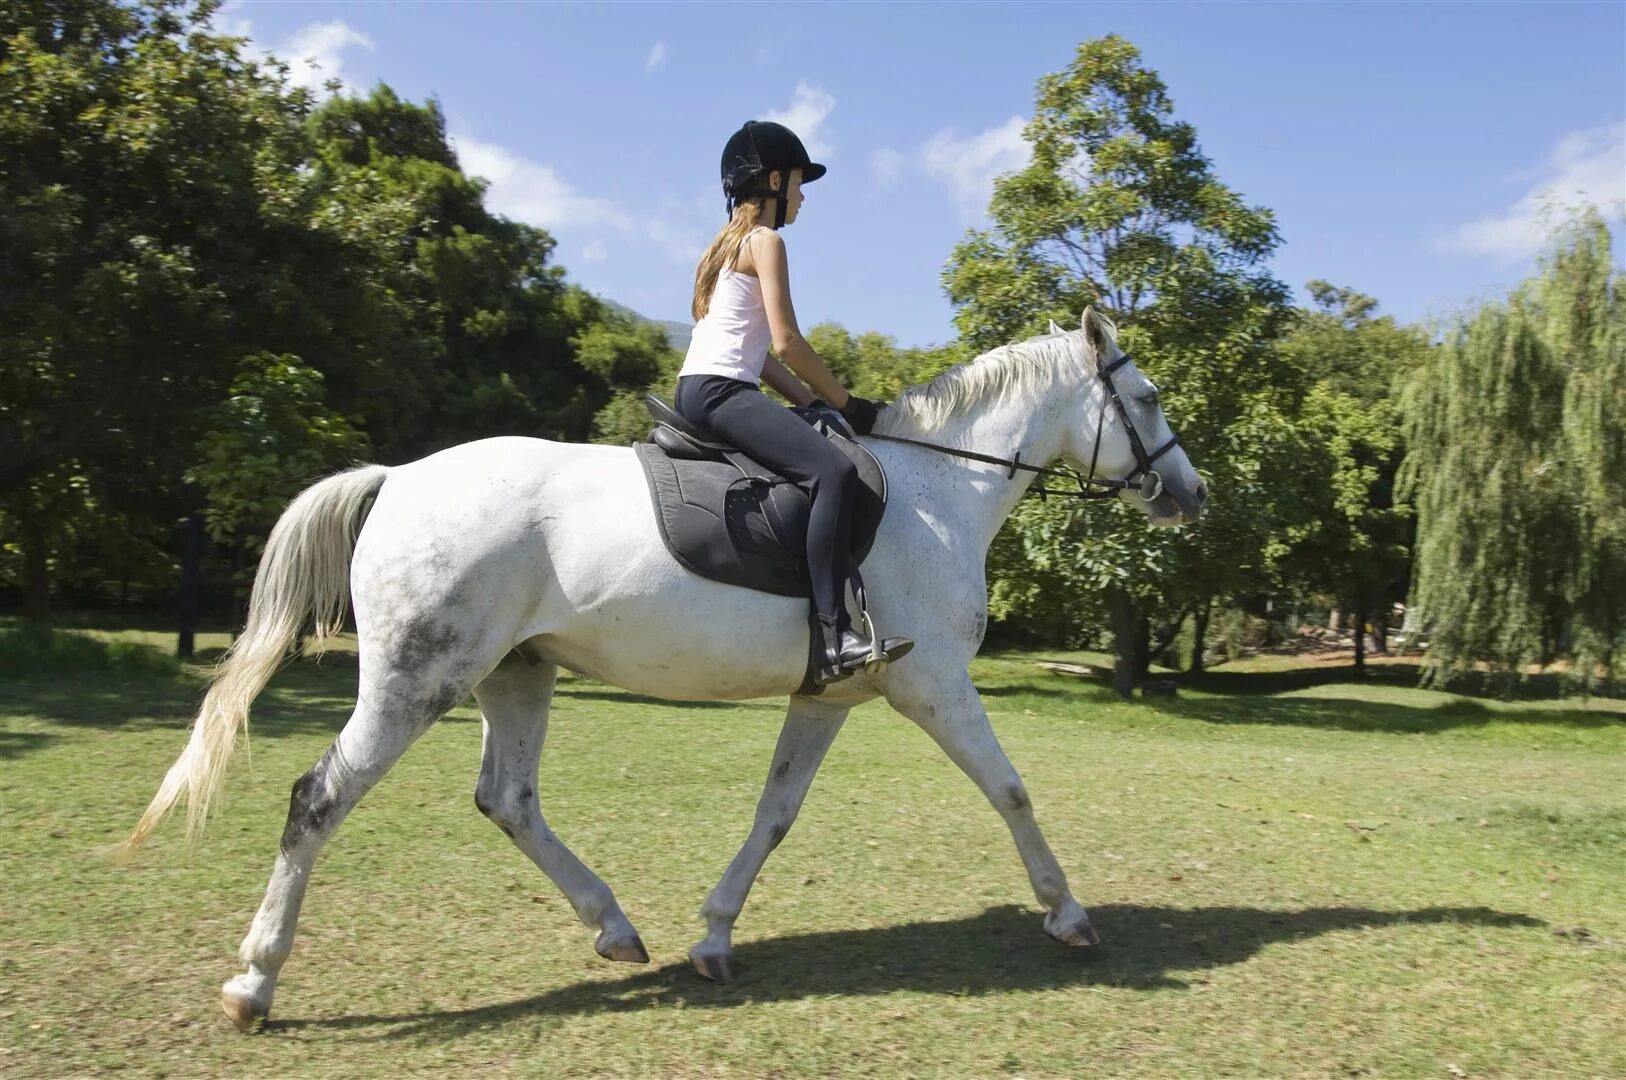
pixel 1405 148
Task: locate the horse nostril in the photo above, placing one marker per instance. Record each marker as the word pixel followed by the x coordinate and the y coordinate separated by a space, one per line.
pixel 1202 493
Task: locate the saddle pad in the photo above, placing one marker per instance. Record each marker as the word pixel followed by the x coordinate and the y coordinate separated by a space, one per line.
pixel 743 525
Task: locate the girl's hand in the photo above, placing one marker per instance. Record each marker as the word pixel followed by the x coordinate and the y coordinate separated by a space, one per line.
pixel 860 413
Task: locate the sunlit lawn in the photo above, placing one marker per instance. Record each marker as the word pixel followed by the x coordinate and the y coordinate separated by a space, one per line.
pixel 1294 875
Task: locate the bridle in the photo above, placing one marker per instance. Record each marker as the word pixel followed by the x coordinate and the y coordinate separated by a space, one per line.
pixel 1145 481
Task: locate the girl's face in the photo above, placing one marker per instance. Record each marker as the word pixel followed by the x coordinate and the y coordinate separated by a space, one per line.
pixel 792 192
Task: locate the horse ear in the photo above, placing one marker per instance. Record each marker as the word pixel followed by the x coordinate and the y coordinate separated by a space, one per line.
pixel 1098 332
pixel 1093 331
pixel 1054 329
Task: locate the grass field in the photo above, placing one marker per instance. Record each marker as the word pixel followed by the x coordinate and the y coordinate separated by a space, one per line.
pixel 1294 876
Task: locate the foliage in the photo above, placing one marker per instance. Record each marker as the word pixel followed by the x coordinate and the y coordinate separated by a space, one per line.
pixel 270 439
pixel 1350 540
pixel 149 183
pixel 217 289
pixel 1119 208
pixel 1516 450
pixel 872 365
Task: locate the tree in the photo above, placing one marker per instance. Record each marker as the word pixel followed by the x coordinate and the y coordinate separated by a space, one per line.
pixel 1351 540
pixel 631 357
pixel 272 437
pixel 1514 458
pixel 184 236
pixel 872 365
pixel 1119 208
pixel 149 181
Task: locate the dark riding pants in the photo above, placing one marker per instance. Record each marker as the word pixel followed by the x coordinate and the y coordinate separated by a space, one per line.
pixel 740 413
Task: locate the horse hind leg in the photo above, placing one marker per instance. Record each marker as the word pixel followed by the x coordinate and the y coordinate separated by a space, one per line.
pixel 514 702
pixel 398 701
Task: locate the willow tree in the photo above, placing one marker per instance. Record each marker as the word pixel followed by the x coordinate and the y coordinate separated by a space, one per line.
pixel 1120 208
pixel 1516 451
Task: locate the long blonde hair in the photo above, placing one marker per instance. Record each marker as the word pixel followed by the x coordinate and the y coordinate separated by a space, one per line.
pixel 724 246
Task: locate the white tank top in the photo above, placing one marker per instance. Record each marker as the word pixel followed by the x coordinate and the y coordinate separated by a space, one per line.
pixel 732 339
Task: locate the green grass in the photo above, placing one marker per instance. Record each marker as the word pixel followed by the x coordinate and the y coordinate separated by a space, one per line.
pixel 1295 876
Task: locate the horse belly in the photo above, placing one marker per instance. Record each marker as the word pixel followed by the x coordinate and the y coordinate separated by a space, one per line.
pixel 677 669
pixel 627 613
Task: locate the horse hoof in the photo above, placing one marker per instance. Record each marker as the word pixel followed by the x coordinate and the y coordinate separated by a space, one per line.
pixel 715 966
pixel 1077 933
pixel 625 950
pixel 246 1015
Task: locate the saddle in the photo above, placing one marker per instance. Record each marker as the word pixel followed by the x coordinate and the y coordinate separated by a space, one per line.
pixel 731 519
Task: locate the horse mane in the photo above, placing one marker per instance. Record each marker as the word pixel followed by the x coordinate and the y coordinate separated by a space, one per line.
pixel 1023 367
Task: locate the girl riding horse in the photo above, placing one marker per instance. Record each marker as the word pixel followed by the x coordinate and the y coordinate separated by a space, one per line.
pixel 742 304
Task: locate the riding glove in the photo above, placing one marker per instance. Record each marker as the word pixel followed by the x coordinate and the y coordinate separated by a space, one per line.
pixel 860 413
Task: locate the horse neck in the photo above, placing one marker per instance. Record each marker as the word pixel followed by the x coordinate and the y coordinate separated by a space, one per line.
pixel 1033 425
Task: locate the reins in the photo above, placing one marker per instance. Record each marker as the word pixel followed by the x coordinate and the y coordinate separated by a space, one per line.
pixel 1144 480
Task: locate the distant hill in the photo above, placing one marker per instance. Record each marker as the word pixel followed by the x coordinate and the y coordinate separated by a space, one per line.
pixel 677 333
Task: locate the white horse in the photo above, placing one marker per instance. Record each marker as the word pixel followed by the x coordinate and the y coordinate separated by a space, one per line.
pixel 552 549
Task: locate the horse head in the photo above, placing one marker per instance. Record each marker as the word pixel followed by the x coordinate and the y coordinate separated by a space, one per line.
pixel 1122 433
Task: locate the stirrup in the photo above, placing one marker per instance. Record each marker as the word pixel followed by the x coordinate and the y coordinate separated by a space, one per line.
pixel 846 652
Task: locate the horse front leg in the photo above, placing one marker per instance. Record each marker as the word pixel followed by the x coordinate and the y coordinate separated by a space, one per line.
pixel 810 727
pixel 950 710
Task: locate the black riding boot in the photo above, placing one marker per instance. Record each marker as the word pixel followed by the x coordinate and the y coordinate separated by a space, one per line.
pixel 845 651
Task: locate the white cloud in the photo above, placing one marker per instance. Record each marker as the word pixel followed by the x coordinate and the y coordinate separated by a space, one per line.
pixel 657 56
pixel 888 165
pixel 536 194
pixel 229 20
pixel 1584 168
pixel 809 108
pixel 683 243
pixel 967 165
pixel 314 54
pixel 531 192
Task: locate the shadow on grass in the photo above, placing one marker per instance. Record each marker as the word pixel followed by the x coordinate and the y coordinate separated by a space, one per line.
pixel 1000 950
pixel 1543 687
pixel 624 697
pixel 1085 691
pixel 1353 714
pixel 308 696
pixel 14 744
pixel 302 699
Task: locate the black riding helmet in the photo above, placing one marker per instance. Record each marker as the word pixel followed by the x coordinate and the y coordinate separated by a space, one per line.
pixel 754 151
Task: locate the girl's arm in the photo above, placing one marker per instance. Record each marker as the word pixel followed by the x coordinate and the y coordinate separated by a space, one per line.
pixel 768 253
pixel 789 386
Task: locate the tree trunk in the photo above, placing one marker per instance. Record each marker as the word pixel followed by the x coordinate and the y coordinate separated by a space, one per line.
pixel 1199 633
pixel 1127 627
pixel 241 592
pixel 36 569
pixel 191 557
pixel 1158 644
pixel 1359 623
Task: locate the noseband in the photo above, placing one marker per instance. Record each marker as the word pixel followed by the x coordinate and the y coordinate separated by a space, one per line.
pixel 1144 481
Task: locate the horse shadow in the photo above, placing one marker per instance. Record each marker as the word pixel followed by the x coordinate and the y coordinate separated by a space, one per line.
pixel 1152 948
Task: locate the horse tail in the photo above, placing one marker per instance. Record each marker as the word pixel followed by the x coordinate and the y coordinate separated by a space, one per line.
pixel 304 575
